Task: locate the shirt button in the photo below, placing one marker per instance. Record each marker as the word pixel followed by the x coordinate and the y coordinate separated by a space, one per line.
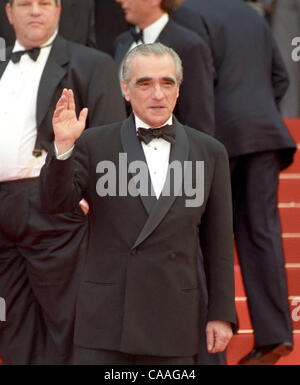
pixel 172 256
pixel 133 252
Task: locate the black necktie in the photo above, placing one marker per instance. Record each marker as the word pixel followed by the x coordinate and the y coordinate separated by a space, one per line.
pixel 137 36
pixel 33 53
pixel 147 134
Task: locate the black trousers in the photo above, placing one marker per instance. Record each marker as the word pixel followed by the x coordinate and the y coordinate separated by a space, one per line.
pixel 41 258
pixel 258 240
pixel 84 356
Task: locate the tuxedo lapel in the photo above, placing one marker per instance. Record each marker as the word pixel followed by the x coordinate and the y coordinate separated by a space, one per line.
pixel 52 75
pixel 167 35
pixel 179 152
pixel 3 65
pixel 122 48
pixel 132 147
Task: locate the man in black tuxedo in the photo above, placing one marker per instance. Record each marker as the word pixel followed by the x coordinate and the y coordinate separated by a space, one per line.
pixel 139 300
pixel 41 255
pixel 195 103
pixel 76 22
pixel 250 82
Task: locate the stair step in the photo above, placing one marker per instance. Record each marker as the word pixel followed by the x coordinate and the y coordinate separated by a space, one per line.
pixel 289 188
pixel 244 317
pixel 290 218
pixel 241 344
pixel 293 126
pixel 291 247
pixel 293 281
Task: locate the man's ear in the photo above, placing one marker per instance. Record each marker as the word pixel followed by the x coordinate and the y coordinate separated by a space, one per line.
pixel 178 92
pixel 9 13
pixel 124 87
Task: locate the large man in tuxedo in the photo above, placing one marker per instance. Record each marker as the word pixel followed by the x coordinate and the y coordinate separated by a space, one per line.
pixel 152 24
pixel 250 82
pixel 41 255
pixel 139 300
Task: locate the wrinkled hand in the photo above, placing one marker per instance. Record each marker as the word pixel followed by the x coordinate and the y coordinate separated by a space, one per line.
pixel 218 335
pixel 67 128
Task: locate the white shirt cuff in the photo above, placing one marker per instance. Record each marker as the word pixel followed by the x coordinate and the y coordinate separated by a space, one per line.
pixel 65 155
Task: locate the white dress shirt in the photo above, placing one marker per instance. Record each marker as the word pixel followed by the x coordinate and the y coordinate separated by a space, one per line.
pixel 157 154
pixel 18 131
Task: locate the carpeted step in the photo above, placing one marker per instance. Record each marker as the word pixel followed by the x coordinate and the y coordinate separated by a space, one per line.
pixel 289 188
pixel 291 247
pixel 290 217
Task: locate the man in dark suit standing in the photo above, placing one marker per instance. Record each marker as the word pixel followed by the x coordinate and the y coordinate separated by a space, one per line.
pixel 152 24
pixel 41 255
pixel 76 22
pixel 250 82
pixel 139 301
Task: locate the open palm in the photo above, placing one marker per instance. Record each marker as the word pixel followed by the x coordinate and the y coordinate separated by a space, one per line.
pixel 67 128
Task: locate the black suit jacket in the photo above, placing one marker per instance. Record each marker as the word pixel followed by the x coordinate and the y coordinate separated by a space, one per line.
pixel 195 106
pixel 92 76
pixel 250 75
pixel 140 292
pixel 76 22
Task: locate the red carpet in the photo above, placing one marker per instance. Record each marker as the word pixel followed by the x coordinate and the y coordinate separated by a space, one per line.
pixel 289 206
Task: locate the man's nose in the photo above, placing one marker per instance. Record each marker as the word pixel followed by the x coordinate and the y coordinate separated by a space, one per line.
pixel 157 92
pixel 35 9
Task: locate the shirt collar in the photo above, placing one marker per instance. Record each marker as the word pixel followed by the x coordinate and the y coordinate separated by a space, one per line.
pixel 140 123
pixel 151 33
pixel 19 47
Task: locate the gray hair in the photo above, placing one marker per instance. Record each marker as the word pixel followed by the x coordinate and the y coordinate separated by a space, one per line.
pixel 157 49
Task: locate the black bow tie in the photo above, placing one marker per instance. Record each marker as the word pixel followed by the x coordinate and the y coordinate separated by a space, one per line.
pixel 33 53
pixel 147 134
pixel 137 36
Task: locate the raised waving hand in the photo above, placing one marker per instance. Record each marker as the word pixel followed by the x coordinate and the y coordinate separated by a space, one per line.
pixel 66 126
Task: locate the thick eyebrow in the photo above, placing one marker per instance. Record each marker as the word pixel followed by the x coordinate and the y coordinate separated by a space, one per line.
pixel 147 79
pixel 169 79
pixel 143 79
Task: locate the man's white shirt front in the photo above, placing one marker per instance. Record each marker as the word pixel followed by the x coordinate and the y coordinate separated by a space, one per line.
pixel 157 154
pixel 19 87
